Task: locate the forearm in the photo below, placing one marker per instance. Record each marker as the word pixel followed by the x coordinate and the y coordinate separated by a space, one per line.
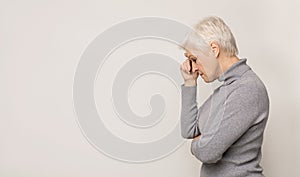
pixel 189 111
pixel 232 120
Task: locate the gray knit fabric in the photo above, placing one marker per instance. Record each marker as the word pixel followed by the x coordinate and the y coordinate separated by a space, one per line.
pixel 231 123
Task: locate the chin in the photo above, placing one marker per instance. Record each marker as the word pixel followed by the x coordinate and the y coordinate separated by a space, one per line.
pixel 205 79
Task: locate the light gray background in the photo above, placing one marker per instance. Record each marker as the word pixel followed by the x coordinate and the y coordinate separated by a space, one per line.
pixel 40 46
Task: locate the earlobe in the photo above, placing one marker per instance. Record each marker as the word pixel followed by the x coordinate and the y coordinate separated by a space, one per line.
pixel 216 53
pixel 215 49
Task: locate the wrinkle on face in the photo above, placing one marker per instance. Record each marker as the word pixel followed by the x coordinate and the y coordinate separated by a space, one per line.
pixel 208 64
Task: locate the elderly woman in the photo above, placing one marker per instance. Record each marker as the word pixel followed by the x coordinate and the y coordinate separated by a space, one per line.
pixel 227 130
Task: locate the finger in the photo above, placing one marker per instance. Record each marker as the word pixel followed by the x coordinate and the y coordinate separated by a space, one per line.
pixel 191 65
pixel 186 54
pixel 184 68
pixel 194 67
pixel 188 65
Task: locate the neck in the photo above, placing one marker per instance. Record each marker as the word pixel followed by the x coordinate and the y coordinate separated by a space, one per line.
pixel 225 62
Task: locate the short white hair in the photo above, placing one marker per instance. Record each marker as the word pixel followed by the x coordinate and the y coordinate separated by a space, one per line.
pixel 211 29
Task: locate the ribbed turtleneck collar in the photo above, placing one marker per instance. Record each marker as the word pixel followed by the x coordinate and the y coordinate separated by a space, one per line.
pixel 234 72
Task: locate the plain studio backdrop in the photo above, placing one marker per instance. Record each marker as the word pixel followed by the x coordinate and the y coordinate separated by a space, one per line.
pixel 41 43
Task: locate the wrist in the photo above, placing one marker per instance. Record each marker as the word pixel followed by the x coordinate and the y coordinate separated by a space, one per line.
pixel 191 82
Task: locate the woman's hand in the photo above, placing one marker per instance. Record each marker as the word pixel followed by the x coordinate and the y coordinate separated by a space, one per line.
pixel 189 71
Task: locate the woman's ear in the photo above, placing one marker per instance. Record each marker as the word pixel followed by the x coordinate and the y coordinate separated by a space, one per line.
pixel 215 49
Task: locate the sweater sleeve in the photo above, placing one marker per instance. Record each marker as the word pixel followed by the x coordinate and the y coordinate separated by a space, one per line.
pixel 189 111
pixel 240 112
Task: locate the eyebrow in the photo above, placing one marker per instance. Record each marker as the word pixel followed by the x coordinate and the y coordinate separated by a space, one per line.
pixel 190 57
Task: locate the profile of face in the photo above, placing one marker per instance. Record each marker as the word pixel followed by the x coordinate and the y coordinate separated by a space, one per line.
pixel 207 64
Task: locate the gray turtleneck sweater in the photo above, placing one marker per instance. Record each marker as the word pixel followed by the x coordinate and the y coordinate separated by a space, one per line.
pixel 231 123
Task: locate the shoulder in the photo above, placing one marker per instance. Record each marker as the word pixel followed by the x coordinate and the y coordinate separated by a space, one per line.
pixel 250 88
pixel 252 83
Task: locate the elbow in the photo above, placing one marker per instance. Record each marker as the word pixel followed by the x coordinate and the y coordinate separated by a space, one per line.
pixel 189 133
